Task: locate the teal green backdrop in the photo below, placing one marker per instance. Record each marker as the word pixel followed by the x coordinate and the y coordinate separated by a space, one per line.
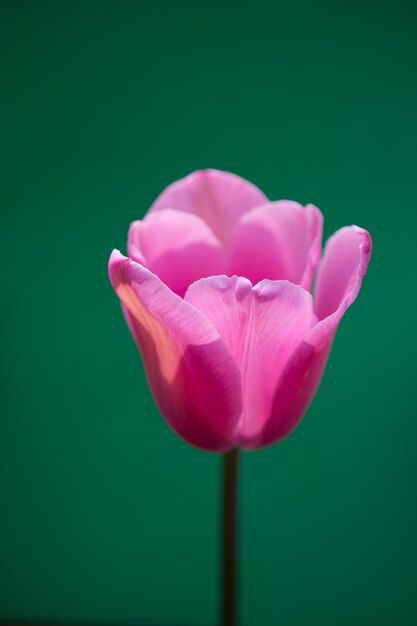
pixel 106 517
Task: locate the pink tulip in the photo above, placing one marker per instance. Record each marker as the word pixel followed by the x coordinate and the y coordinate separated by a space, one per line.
pixel 216 292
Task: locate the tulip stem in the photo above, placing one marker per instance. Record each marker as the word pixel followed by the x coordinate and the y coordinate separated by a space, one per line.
pixel 230 536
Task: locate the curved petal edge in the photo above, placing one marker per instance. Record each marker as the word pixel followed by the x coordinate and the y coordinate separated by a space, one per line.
pixel 193 376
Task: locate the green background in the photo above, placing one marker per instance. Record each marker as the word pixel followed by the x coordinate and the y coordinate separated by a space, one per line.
pixel 106 517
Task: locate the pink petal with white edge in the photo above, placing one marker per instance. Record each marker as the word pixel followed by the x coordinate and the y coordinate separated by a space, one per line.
pixel 178 247
pixel 190 369
pixel 262 326
pixel 219 198
pixel 339 281
pixel 278 240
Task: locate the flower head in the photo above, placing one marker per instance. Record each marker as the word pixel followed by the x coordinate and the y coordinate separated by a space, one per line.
pixel 216 292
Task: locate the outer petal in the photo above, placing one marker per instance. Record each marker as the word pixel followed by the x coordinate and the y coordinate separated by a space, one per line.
pixel 278 240
pixel 340 277
pixel 191 371
pixel 178 247
pixel 219 198
pixel 262 326
pixel 344 264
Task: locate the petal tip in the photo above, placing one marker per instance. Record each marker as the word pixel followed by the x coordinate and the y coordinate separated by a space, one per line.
pixel 116 261
pixel 366 248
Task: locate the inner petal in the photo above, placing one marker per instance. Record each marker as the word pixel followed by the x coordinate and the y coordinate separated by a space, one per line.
pixel 219 198
pixel 278 240
pixel 178 247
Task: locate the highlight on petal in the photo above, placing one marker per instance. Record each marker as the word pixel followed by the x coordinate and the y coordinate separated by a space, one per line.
pixel 262 325
pixel 190 369
pixel 178 247
pixel 340 277
pixel 278 240
pixel 219 198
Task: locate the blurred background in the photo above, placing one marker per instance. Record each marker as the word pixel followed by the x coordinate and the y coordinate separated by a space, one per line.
pixel 105 516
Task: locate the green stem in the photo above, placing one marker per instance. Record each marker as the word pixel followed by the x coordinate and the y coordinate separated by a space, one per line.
pixel 230 514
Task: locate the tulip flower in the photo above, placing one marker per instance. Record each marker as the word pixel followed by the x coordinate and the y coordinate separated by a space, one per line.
pixel 217 292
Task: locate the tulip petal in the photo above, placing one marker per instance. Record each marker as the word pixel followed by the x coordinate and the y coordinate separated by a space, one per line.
pixel 262 326
pixel 219 198
pixel 178 247
pixel 192 374
pixel 278 240
pixel 344 264
pixel 340 277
